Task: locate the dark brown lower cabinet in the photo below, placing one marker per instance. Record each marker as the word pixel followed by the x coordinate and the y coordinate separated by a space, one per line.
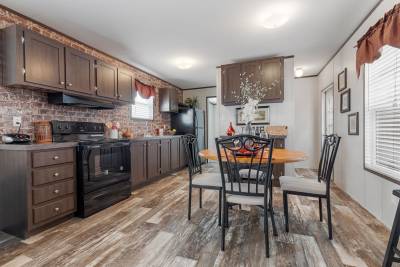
pixel 37 189
pixel 156 158
pixel 165 150
pixel 139 162
pixel 153 159
pixel 182 154
pixel 175 142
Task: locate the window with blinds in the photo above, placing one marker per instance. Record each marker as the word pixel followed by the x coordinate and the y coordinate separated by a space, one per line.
pixel 382 114
pixel 143 108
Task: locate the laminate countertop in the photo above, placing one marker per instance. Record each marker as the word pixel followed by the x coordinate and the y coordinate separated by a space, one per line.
pixel 29 147
pixel 144 138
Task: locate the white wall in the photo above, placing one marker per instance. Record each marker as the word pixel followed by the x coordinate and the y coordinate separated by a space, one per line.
pixel 297 112
pixel 201 95
pixel 371 191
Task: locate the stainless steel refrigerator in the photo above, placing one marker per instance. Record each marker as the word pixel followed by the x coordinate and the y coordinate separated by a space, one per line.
pixel 190 121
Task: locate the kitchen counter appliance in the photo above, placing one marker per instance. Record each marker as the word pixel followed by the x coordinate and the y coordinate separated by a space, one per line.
pixel 103 165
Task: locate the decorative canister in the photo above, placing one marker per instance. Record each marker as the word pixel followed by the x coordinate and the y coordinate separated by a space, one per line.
pixel 42 132
pixel 114 134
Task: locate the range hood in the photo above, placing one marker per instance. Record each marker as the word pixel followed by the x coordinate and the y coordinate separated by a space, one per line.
pixel 77 101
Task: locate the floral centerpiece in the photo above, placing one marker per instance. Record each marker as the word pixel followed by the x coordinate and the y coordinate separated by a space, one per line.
pixel 250 95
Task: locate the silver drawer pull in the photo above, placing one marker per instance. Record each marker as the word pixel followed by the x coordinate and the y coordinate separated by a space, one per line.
pixel 56 157
pixel 57 209
pixel 56 191
pixel 56 174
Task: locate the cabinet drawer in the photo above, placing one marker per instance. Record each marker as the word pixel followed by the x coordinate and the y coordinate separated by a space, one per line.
pixel 51 157
pixel 52 191
pixel 52 174
pixel 53 209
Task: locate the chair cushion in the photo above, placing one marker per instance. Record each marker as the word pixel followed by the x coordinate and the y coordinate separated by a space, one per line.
pixel 245 200
pixel 242 199
pixel 207 179
pixel 244 173
pixel 303 185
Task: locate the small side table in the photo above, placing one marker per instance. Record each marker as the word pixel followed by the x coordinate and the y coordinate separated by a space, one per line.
pixel 392 253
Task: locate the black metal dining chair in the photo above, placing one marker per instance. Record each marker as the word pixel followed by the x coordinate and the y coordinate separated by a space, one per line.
pixel 320 187
pixel 245 188
pixel 198 179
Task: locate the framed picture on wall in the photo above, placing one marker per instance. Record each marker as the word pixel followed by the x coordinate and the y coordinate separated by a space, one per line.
pixel 353 124
pixel 345 101
pixel 261 116
pixel 342 80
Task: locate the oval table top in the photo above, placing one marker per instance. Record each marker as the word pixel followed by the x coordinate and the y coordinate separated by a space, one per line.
pixel 279 155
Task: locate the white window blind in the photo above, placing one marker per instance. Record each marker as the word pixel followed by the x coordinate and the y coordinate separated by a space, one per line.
pixel 143 108
pixel 382 114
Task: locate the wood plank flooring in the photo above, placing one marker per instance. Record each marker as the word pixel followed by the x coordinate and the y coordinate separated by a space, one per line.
pixel 151 229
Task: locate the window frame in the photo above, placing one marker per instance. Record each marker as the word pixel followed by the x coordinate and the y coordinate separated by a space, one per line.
pixel 366 168
pixel 142 119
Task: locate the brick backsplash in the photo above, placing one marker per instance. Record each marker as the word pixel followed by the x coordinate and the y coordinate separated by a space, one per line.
pixel 32 105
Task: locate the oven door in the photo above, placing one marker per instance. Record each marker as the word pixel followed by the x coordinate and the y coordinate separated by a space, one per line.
pixel 102 165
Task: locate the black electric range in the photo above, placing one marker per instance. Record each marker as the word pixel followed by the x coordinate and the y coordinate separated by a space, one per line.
pixel 103 165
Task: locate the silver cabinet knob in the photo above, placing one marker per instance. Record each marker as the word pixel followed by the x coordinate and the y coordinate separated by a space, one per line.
pixel 56 174
pixel 62 83
pixel 56 209
pixel 56 191
pixel 56 157
pixel 69 84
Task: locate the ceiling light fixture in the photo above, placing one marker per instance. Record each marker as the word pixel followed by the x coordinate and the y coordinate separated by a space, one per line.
pixel 298 72
pixel 275 20
pixel 184 63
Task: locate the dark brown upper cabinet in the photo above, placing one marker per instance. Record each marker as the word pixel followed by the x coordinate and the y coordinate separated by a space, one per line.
pixel 230 84
pixel 268 72
pixel 106 80
pixel 272 79
pixel 79 71
pixel 168 100
pixel 33 60
pixel 125 86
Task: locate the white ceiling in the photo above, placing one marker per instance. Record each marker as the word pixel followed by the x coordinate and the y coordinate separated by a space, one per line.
pixel 151 34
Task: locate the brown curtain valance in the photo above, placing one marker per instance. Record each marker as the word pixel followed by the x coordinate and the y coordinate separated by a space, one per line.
pixel 385 32
pixel 144 90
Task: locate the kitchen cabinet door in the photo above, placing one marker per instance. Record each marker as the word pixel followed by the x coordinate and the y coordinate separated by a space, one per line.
pixel 230 84
pixel 168 100
pixel 79 71
pixel 139 162
pixel 106 80
pixel 125 86
pixel 182 154
pixel 153 159
pixel 175 153
pixel 272 79
pixel 165 156
pixel 252 71
pixel 44 60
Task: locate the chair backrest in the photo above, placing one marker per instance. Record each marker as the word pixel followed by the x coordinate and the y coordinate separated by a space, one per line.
pixel 253 152
pixel 192 154
pixel 327 160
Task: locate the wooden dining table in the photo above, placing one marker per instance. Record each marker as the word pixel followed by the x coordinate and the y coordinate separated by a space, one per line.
pixel 279 155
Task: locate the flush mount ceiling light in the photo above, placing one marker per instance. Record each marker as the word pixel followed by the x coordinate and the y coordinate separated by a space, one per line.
pixel 184 63
pixel 276 15
pixel 299 72
pixel 274 20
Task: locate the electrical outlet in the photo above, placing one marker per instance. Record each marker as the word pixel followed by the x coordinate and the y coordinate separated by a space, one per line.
pixel 17 120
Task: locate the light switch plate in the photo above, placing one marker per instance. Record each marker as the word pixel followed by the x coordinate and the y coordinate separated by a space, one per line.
pixel 17 120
